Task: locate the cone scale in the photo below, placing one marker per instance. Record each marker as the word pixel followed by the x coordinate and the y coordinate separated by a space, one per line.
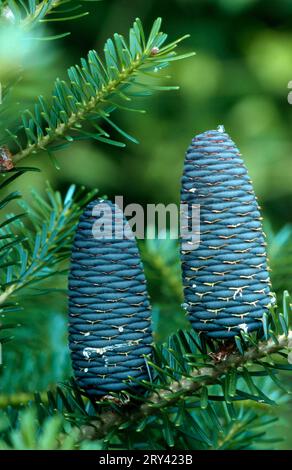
pixel 109 311
pixel 226 280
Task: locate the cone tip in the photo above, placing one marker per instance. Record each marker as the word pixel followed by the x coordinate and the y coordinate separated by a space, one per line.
pixel 221 128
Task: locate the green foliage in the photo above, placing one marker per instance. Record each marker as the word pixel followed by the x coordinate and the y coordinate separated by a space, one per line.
pixel 48 243
pixel 37 357
pixel 211 429
pixel 54 434
pixel 161 261
pixel 95 89
pixel 203 395
pixel 280 254
pixel 29 14
pixel 8 243
pixel 32 252
pixel 163 273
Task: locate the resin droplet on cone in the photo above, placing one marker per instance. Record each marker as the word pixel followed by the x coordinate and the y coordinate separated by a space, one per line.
pixel 229 267
pixel 109 311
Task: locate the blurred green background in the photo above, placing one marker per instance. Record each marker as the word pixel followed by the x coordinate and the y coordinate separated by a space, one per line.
pixel 239 78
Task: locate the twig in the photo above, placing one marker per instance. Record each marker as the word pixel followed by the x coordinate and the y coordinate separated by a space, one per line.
pixel 186 387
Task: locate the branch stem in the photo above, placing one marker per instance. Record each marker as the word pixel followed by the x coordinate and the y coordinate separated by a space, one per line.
pixel 191 385
pixel 77 118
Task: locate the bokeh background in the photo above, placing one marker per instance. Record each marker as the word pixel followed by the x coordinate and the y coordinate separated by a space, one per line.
pixel 239 78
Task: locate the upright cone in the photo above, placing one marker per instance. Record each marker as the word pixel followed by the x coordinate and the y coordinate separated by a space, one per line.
pixel 109 311
pixel 226 280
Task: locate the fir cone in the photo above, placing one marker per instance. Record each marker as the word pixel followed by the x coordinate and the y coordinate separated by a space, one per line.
pixel 226 280
pixel 109 311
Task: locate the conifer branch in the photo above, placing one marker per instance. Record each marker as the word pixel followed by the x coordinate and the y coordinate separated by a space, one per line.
pixel 29 14
pixel 163 398
pixel 175 403
pixel 94 90
pixel 40 254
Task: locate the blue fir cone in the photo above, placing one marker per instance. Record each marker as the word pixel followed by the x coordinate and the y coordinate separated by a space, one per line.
pixel 109 310
pixel 226 280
